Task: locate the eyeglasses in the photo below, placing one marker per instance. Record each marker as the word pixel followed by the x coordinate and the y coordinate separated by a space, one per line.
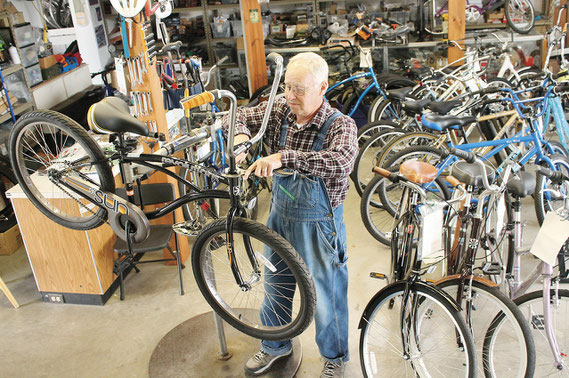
pixel 296 89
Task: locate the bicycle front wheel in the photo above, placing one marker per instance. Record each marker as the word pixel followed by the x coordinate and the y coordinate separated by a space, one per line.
pixel 430 339
pixel 46 147
pixel 531 305
pixel 503 339
pixel 277 299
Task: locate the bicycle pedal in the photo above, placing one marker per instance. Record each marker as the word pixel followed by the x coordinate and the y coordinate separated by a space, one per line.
pixel 379 276
pixel 492 268
pixel 188 228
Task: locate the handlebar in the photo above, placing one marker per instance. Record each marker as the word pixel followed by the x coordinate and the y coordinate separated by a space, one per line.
pixel 213 68
pixel 556 176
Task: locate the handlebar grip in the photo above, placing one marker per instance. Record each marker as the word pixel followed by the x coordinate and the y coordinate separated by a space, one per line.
pixel 394 177
pixel 555 176
pixel 465 155
pixel 453 181
pixel 275 57
pixel 171 47
pixel 490 90
pixel 197 100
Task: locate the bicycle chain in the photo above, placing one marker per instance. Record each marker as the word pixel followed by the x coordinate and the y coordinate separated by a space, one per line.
pixel 78 202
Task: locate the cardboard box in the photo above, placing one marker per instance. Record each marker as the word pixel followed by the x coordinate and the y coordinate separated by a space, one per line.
pixel 47 62
pixel 10 241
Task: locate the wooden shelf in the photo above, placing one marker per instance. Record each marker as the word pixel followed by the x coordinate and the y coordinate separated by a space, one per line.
pixel 228 39
pixel 502 25
pixel 187 10
pixel 11 69
pixel 19 109
pixel 222 6
pixel 286 2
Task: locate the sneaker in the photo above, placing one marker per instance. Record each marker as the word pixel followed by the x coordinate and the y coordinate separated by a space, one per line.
pixel 333 369
pixel 261 362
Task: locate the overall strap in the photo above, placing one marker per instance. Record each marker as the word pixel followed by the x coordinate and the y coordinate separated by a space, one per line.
pixel 319 142
pixel 284 130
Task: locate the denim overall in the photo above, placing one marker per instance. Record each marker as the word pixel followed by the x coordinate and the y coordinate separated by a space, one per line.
pixel 302 213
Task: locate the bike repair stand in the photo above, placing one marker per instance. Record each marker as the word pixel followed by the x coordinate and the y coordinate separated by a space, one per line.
pixel 189 350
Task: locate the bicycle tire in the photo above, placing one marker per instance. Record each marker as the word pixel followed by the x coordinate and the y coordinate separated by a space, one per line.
pixel 382 109
pixel 381 323
pixel 40 124
pixel 511 10
pixel 414 138
pixel 212 239
pixel 7 181
pixel 531 305
pixel 366 159
pixel 543 200
pixel 372 128
pixel 497 320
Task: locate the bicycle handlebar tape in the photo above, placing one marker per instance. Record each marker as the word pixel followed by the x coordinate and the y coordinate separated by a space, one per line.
pixel 465 155
pixel 275 58
pixel 453 181
pixel 197 100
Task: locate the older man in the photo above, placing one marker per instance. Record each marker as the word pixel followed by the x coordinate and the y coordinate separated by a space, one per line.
pixel 306 135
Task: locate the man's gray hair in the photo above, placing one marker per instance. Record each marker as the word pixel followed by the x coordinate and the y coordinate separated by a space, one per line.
pixel 315 63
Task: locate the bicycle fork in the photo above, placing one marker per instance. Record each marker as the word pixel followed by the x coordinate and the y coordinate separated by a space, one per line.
pixel 547 273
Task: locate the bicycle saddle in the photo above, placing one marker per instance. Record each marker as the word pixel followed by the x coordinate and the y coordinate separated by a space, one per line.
pixel 521 185
pixel 470 173
pixel 398 93
pixel 111 115
pixel 441 123
pixel 443 107
pixel 415 107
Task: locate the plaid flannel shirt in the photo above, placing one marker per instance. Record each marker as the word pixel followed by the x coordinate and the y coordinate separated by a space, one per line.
pixel 333 163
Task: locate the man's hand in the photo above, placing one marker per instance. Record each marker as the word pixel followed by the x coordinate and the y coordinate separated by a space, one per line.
pixel 264 167
pixel 240 138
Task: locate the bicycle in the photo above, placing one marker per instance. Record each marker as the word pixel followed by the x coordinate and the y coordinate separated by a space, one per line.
pixel 501 332
pixel 519 14
pixel 233 259
pixel 411 326
pixel 545 309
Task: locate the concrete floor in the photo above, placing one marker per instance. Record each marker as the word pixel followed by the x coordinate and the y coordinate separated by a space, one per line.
pixel 41 339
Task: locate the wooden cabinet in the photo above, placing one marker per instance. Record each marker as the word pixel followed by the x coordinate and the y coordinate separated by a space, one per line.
pixel 69 266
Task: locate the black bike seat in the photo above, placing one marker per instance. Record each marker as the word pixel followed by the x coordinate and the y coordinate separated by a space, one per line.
pixel 443 107
pixel 521 185
pixel 441 123
pixel 398 93
pixel 470 173
pixel 415 107
pixel 111 115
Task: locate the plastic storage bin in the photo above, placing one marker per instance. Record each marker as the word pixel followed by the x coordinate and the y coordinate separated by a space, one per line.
pixel 221 29
pixel 220 50
pixel 237 28
pixel 16 84
pixel 24 35
pixel 29 55
pixel 34 74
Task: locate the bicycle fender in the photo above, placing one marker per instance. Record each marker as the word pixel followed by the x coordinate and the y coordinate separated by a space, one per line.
pixel 118 209
pixel 427 287
pixel 482 280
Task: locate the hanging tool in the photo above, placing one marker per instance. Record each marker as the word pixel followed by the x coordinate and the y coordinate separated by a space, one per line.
pixel 124 38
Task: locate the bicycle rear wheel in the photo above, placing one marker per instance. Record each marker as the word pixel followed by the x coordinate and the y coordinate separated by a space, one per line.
pixel 252 308
pixel 531 306
pixel 504 344
pixel 438 342
pixel 46 147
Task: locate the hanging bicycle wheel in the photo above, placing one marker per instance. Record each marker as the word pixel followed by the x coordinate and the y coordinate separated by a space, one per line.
pixel 45 148
pixel 277 298
pixel 520 15
pixel 429 339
